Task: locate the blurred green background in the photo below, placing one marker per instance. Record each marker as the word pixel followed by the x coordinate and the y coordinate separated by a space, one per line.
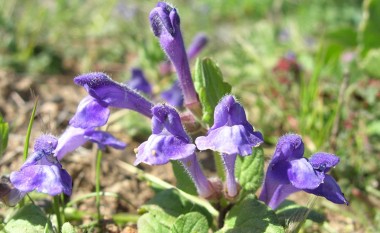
pixel 309 67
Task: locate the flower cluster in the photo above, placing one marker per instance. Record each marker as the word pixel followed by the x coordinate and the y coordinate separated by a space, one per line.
pixel 231 134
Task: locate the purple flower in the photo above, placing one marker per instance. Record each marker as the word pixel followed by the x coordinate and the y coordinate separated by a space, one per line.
pixel 173 95
pixel 74 137
pixel 197 45
pixel 42 171
pixel 165 23
pixel 289 172
pixel 169 141
pixel 90 113
pixel 139 82
pixel 109 93
pixel 231 135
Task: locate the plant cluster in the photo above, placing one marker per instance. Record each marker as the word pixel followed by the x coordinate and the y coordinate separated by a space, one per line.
pixel 200 114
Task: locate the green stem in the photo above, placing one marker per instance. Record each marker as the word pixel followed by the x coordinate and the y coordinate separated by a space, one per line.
pixel 28 132
pixel 97 184
pixel 57 212
pixel 27 139
pixel 141 175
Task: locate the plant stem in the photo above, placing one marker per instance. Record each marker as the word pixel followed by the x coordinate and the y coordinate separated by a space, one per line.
pixel 27 139
pixel 28 132
pixel 57 212
pixel 97 180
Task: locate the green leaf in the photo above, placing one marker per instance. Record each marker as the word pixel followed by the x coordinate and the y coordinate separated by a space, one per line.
pixel 369 32
pixel 154 221
pixel 289 212
pixel 4 131
pixel 208 81
pixel 184 181
pixel 370 63
pixel 174 204
pixel 190 223
pixel 68 228
pixel 28 219
pixel 251 215
pixel 249 170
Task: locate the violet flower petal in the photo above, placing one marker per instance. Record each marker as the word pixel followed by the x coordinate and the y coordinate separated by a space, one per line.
pixel 173 95
pixel 165 24
pixel 229 164
pixel 289 172
pixel 197 45
pixel 52 179
pixel 231 132
pixel 302 175
pixel 139 82
pixel 110 93
pixel 193 168
pixel 323 162
pixel 168 141
pixel 330 190
pixel 289 147
pixel 90 113
pixel 229 140
pixel 70 140
pixel 104 139
pixel 160 149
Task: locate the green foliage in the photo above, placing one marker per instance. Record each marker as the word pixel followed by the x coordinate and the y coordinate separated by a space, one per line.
pixel 251 215
pixel 68 228
pixel 209 84
pixel 28 219
pixel 164 209
pixel 184 181
pixel 370 63
pixel 192 222
pixel 156 220
pixel 4 132
pixel 289 211
pixel 249 170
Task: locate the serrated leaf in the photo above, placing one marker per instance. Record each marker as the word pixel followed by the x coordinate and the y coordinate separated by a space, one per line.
pixel 190 223
pixel 152 222
pixel 251 215
pixel 370 63
pixel 68 228
pixel 209 84
pixel 249 170
pixel 175 205
pixel 29 219
pixel 184 181
pixel 290 211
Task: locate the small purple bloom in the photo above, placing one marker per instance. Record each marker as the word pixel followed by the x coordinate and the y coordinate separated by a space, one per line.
pixel 139 82
pixel 109 93
pixel 169 141
pixel 173 95
pixel 42 171
pixel 289 172
pixel 74 137
pixel 90 113
pixel 197 45
pixel 165 23
pixel 231 135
